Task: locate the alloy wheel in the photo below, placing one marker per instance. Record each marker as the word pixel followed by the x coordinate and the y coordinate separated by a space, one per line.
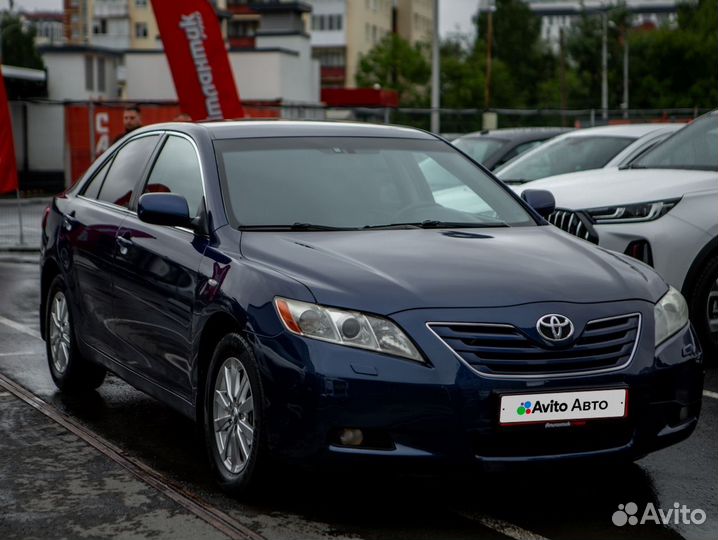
pixel 233 415
pixel 712 310
pixel 60 344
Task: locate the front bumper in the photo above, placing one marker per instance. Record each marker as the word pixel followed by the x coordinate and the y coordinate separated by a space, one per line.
pixel 447 413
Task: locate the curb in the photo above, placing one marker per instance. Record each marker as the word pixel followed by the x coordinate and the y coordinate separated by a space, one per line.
pixel 26 202
pixel 19 249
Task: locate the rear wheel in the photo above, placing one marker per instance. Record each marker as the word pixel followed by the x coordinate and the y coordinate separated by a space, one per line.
pixel 233 417
pixel 704 308
pixel 69 370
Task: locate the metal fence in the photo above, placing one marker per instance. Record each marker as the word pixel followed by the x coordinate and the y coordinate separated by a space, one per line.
pixel 54 145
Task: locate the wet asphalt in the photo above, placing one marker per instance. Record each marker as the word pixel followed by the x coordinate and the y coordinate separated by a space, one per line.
pixel 41 465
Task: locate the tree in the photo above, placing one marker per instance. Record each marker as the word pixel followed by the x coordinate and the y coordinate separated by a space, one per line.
pixel 519 54
pixel 395 64
pixel 18 44
pixel 677 67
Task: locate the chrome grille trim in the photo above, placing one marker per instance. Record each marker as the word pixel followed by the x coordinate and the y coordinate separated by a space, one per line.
pixel 560 374
pixel 574 223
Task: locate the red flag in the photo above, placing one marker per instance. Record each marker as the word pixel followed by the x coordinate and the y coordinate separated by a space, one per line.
pixel 198 59
pixel 8 166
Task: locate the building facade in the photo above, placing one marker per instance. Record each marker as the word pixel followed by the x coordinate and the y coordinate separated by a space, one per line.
pixel 344 30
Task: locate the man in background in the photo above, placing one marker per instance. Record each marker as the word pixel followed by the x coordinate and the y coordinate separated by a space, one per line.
pixel 132 119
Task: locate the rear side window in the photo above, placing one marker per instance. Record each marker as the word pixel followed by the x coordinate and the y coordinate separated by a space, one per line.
pixel 177 171
pixel 93 186
pixel 126 169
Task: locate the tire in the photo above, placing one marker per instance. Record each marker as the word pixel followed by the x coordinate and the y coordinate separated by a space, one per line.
pixel 704 298
pixel 69 370
pixel 238 452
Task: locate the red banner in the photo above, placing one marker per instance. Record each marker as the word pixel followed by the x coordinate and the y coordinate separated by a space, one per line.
pixel 198 59
pixel 8 165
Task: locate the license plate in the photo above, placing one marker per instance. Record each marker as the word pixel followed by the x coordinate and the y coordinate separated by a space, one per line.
pixel 559 406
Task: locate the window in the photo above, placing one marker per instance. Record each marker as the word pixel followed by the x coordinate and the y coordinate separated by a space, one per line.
pixel 141 3
pixel 357 181
pixel 141 30
pixel 101 77
pixel 89 73
pixel 177 171
pixel 92 190
pixel 126 170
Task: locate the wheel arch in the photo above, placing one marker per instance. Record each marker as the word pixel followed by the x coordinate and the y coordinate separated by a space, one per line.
pixel 50 270
pixel 217 325
pixel 708 251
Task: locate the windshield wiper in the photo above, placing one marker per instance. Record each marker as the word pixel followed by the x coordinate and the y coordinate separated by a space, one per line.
pixel 295 227
pixel 436 224
pixel 515 181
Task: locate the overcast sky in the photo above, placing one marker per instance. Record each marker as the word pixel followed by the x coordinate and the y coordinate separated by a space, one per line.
pixel 453 14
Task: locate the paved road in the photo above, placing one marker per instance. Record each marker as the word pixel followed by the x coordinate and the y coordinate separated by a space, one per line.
pixel 553 504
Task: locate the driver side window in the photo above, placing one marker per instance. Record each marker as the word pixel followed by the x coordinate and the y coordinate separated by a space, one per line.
pixel 177 170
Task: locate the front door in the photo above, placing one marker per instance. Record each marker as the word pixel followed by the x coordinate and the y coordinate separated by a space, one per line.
pixel 156 279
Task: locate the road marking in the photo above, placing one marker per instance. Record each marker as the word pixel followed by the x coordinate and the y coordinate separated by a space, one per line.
pixel 221 521
pixel 501 526
pixel 22 353
pixel 708 393
pixel 20 327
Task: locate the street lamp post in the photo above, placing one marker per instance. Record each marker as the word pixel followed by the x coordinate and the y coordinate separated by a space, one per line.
pixel 604 67
pixel 435 74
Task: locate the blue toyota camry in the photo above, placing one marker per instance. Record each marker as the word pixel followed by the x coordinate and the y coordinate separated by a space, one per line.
pixel 315 291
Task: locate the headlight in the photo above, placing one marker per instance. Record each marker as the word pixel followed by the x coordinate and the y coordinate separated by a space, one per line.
pixel 670 314
pixel 350 328
pixel 632 213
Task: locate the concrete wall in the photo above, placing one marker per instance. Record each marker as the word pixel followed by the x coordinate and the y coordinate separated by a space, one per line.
pixel 259 75
pixel 66 75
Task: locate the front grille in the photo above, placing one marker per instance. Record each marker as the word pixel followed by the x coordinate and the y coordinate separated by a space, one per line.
pixel 505 350
pixel 574 223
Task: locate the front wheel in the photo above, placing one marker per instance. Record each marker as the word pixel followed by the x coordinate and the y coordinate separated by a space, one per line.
pixel 233 417
pixel 704 308
pixel 69 370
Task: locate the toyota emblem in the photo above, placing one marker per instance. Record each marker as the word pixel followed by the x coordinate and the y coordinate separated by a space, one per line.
pixel 555 327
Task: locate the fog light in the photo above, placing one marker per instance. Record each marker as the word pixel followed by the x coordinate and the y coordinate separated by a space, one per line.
pixel 351 437
pixel 683 414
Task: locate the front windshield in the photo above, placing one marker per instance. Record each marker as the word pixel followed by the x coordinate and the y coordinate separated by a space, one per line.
pixel 353 183
pixel 479 148
pixel 693 147
pixel 566 155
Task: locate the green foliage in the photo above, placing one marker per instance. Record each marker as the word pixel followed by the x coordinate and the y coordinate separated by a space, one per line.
pixel 677 67
pixel 18 45
pixel 672 66
pixel 395 64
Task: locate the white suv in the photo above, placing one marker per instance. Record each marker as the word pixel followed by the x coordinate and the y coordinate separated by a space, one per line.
pixel 662 210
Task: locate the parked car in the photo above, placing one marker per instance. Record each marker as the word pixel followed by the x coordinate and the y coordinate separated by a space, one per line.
pixel 585 149
pixel 297 289
pixel 662 210
pixel 495 147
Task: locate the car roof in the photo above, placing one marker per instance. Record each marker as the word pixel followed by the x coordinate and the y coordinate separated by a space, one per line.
pixel 620 130
pixel 518 134
pixel 289 128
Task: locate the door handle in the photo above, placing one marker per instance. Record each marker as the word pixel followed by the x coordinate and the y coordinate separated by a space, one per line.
pixel 125 243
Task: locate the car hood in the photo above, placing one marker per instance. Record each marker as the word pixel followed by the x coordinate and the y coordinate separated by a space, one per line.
pixel 388 271
pixel 609 187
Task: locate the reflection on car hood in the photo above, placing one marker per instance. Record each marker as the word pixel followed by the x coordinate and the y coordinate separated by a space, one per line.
pixel 389 271
pixel 608 187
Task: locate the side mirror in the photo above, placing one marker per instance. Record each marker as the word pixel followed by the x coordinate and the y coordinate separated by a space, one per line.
pixel 164 209
pixel 540 200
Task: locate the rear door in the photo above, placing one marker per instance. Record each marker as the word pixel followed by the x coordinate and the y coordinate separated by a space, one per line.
pixel 157 275
pixel 89 232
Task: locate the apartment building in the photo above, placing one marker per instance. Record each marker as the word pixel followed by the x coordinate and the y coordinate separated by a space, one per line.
pixel 344 30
